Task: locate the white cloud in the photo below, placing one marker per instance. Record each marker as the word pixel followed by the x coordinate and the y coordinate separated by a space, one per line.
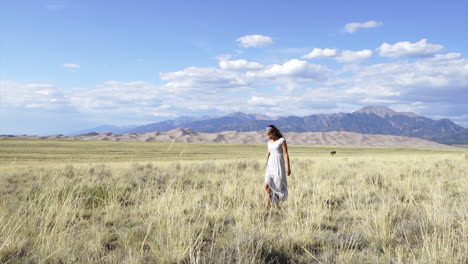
pixel 255 41
pixel 124 98
pixel 40 96
pixel 448 56
pixel 237 75
pixel 71 65
pixel 378 101
pixel 262 101
pixel 426 81
pixel 204 79
pixel 293 69
pixel 300 104
pixel 237 65
pixel 354 56
pixel 343 56
pixel 321 53
pixel 405 48
pixel 291 75
pixel 139 100
pixel 353 27
pixel 304 103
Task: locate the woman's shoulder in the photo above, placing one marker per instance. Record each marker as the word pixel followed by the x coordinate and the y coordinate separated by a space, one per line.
pixel 280 141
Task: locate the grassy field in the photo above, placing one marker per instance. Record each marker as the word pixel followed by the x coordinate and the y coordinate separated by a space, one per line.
pixel 54 152
pixel 150 202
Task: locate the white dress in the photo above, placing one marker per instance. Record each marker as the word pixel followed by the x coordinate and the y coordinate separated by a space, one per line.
pixel 275 175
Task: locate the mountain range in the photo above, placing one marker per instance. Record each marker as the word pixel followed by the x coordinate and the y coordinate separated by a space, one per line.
pixel 368 120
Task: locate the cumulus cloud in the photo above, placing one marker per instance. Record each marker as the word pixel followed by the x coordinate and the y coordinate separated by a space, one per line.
pixel 262 101
pixel 125 98
pixel 354 56
pixel 426 81
pixel 305 103
pixel 129 101
pixel 293 69
pixel 255 41
pixel 448 56
pixel 321 53
pixel 238 65
pixel 139 100
pixel 238 75
pixel 314 98
pixel 405 48
pixel 71 65
pixel 354 26
pixel 343 56
pixel 204 79
pixel 32 96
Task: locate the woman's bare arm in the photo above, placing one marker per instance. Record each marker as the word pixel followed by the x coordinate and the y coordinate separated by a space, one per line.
pixel 268 155
pixel 286 158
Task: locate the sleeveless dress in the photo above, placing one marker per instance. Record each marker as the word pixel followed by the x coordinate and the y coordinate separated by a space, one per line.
pixel 275 175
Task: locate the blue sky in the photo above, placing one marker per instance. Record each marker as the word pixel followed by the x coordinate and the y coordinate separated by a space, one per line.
pixel 70 65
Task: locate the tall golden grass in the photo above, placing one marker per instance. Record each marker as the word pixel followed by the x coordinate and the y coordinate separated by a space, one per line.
pixel 361 209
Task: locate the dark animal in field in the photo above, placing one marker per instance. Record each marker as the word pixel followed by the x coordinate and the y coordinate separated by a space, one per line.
pixel 333 153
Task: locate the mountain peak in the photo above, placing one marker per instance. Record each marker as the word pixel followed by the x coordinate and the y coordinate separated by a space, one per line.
pixel 251 117
pixel 383 111
pixel 265 117
pixel 241 116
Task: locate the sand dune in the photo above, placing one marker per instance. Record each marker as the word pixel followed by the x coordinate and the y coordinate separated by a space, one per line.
pixel 339 138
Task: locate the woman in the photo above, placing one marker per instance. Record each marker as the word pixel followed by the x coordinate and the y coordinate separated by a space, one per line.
pixel 277 167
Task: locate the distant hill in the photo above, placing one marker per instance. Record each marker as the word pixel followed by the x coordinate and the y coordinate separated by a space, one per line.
pixel 368 120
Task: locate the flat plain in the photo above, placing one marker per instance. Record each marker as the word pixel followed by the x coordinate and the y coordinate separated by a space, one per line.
pixel 173 202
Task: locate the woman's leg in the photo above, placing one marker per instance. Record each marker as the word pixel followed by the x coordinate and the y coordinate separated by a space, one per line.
pixel 276 204
pixel 267 196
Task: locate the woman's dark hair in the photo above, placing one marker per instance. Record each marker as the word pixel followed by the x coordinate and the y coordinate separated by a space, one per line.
pixel 276 131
